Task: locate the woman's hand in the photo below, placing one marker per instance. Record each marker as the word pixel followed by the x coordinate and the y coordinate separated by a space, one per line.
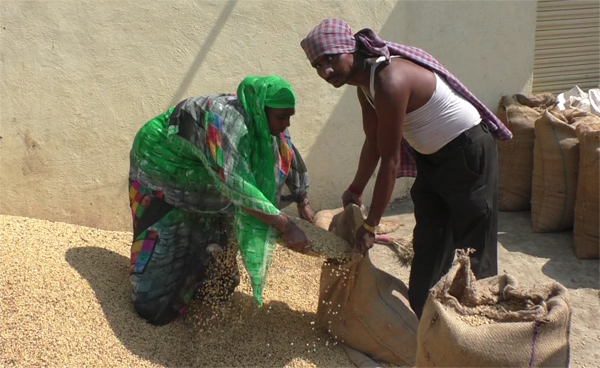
pixel 295 239
pixel 291 235
pixel 349 197
pixel 305 212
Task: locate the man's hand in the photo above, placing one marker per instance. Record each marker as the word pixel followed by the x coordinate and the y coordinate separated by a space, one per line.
pixel 364 240
pixel 349 197
pixel 305 212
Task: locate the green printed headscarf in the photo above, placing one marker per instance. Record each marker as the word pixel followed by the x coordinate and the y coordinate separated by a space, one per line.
pixel 255 238
pixel 254 182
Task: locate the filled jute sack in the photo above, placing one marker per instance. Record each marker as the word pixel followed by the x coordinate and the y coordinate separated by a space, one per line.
pixel 493 322
pixel 556 168
pixel 363 307
pixel 515 157
pixel 587 209
pixel 323 218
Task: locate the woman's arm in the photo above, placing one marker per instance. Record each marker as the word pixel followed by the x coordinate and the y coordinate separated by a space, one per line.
pixel 297 182
pixel 291 235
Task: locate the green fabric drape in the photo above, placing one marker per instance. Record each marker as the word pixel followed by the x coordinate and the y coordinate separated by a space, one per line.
pixel 255 238
pixel 233 152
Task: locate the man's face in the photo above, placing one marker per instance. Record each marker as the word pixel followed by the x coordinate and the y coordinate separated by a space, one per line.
pixel 279 119
pixel 335 69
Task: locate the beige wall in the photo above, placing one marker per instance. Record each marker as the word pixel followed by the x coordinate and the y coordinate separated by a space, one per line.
pixel 78 78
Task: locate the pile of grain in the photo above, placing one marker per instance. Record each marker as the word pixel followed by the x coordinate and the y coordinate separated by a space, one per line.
pixel 66 302
pixel 483 313
pixel 324 243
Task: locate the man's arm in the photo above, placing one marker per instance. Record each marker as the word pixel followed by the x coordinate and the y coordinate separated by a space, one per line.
pixel 391 103
pixel 369 155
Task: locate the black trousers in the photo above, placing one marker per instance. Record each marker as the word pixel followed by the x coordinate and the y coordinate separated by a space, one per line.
pixel 455 196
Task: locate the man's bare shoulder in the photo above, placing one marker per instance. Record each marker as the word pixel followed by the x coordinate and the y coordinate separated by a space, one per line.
pixel 401 72
pixel 393 79
pixel 403 79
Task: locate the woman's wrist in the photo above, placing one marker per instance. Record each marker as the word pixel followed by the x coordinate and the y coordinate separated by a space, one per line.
pixel 303 202
pixel 282 223
pixel 301 199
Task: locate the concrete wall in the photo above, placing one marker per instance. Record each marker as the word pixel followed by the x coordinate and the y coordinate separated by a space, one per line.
pixel 78 79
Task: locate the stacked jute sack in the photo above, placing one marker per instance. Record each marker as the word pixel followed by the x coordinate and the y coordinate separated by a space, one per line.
pixel 551 166
pixel 493 322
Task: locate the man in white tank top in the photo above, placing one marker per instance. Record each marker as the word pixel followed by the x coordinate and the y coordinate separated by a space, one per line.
pixel 418 120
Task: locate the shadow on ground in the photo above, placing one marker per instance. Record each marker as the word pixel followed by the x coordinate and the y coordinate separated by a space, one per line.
pixel 400 207
pixel 515 235
pixel 186 342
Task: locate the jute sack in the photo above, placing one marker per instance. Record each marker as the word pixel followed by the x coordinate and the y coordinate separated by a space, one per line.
pixel 555 169
pixel 323 218
pixel 493 322
pixel 515 157
pixel 586 238
pixel 363 307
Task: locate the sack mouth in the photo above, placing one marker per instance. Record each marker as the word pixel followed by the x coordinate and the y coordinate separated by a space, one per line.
pixel 496 299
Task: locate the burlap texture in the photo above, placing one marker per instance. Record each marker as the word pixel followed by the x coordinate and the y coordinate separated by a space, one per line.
pixel 535 336
pixel 587 209
pixel 515 157
pixel 556 168
pixel 323 218
pixel 364 307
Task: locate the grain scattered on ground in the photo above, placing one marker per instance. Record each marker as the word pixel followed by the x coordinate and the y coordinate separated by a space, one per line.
pixel 66 302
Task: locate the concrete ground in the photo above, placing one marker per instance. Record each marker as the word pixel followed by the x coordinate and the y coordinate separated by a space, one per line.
pixel 532 258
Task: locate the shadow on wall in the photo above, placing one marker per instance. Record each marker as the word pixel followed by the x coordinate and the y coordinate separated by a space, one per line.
pixel 203 52
pixel 184 344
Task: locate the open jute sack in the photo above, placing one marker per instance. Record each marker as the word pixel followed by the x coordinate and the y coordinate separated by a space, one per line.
pixel 323 218
pixel 587 208
pixel 493 322
pixel 556 168
pixel 363 307
pixel 515 157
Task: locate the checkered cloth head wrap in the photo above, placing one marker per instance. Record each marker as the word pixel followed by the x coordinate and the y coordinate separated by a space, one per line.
pixel 334 36
pixel 330 37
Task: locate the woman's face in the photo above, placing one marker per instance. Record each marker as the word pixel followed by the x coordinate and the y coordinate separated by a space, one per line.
pixel 279 119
